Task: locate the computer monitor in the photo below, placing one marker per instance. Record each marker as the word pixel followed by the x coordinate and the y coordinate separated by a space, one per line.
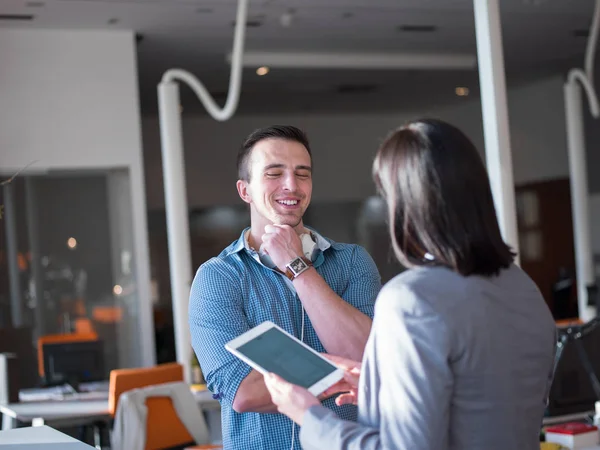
pixel 572 390
pixel 74 362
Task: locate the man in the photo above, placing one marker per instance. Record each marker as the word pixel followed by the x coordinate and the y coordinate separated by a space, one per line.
pixel 328 301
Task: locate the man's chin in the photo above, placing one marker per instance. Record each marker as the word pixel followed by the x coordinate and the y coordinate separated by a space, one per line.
pixel 292 222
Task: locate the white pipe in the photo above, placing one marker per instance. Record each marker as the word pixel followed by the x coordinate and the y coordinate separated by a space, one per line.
pixel 579 195
pixel 590 49
pixel 178 234
pixel 495 116
pixel 341 60
pixel 578 75
pixel 235 78
pixel 577 166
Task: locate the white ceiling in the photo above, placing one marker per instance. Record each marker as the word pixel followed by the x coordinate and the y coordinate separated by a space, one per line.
pixel 197 34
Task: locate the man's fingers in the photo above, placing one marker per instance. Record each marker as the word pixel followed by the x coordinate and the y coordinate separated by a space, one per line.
pixel 270 229
pixel 275 228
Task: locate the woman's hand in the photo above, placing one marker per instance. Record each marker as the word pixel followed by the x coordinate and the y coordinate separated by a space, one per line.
pixel 342 363
pixel 290 399
pixel 348 386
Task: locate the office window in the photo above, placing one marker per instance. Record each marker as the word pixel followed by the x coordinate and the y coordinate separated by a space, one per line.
pixel 66 264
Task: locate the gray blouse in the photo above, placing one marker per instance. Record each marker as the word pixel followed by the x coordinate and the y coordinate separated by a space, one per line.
pixel 452 362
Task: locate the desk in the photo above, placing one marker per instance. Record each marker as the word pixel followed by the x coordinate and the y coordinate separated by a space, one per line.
pixel 38 438
pixel 82 411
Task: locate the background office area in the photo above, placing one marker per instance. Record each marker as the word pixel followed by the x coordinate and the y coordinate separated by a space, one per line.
pixel 83 236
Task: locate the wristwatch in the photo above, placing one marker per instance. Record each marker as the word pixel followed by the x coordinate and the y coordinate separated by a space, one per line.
pixel 296 266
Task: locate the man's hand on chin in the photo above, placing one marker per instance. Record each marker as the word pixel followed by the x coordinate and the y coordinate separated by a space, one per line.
pixel 282 244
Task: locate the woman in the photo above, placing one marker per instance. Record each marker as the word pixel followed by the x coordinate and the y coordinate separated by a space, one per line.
pixel 461 348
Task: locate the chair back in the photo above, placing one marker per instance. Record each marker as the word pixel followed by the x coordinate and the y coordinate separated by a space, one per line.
pixel 60 339
pixel 164 427
pixel 122 380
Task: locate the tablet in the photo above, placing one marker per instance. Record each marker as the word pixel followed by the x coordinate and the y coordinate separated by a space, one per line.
pixel 268 348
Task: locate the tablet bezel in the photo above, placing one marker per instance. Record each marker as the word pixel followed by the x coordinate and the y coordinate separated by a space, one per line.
pixel 316 389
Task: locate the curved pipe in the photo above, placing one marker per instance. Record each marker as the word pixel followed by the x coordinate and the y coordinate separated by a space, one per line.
pixel 577 168
pixel 578 75
pixel 235 77
pixel 586 78
pixel 176 205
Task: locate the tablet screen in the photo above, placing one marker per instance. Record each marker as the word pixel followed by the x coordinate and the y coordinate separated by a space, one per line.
pixel 278 353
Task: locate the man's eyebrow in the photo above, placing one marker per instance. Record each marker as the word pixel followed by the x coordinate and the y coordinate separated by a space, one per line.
pixel 274 166
pixel 282 166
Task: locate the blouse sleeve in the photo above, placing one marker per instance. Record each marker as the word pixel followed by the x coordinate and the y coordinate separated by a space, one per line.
pixel 407 383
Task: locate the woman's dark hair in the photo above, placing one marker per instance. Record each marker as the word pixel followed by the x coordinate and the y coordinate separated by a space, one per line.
pixel 286 132
pixel 440 204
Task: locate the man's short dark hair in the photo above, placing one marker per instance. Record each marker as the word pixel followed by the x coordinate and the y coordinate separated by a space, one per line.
pixel 439 200
pixel 286 132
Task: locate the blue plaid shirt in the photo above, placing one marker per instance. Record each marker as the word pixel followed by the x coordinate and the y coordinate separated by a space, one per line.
pixel 234 292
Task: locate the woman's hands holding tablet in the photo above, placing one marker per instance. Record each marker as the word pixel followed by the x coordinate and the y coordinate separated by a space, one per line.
pixel 293 401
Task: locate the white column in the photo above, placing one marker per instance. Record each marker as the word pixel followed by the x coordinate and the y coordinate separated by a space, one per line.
pixel 141 261
pixel 178 232
pixel 579 195
pixel 495 116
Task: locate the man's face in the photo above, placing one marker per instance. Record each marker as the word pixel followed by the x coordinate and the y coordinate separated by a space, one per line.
pixel 280 183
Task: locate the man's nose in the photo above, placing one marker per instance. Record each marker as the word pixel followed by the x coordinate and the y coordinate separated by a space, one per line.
pixel 290 182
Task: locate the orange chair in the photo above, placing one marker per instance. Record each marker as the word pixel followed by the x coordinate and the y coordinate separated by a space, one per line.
pixel 83 325
pixel 163 427
pixel 60 339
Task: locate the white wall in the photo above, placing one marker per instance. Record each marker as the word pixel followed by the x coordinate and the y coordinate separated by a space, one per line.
pixel 69 100
pixel 344 145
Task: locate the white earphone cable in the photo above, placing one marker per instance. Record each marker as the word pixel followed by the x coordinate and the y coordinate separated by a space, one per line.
pixel 302 340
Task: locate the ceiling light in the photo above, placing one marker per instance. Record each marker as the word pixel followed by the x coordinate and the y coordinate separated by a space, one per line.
pixel 461 91
pixel 72 243
pixel 331 60
pixel 263 70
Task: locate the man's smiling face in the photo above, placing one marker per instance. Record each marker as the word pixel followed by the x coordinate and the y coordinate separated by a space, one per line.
pixel 280 185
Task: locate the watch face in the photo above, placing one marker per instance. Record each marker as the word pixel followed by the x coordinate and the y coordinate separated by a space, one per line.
pixel 297 265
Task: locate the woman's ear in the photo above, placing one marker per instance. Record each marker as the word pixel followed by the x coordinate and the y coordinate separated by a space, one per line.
pixel 243 191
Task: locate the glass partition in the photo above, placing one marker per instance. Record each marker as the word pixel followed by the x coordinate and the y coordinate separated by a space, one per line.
pixel 67 266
